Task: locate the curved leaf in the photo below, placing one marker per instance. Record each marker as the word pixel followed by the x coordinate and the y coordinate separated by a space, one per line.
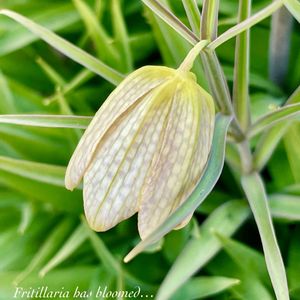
pixel 255 192
pixel 67 48
pixel 285 113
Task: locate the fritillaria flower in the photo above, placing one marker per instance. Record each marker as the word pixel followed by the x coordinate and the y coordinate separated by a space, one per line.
pixel 146 148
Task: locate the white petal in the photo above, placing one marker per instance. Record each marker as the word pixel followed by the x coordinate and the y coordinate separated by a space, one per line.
pixel 112 183
pixel 128 94
pixel 203 145
pixel 170 168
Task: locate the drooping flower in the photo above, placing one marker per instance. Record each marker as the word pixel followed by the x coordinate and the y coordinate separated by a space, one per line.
pixel 145 149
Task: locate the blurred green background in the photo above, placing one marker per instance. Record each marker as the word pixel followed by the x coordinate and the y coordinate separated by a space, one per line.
pixel 43 240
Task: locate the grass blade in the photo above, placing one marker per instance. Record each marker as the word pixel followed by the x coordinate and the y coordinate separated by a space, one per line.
pixel 267 144
pixel 291 143
pixel 121 36
pixel 53 75
pixel 286 207
pixel 270 139
pixel 7 103
pixel 226 219
pixel 193 14
pixel 37 171
pixel 55 197
pixel 73 242
pixel 255 192
pixel 102 42
pixel 67 48
pixel 247 259
pixel 204 187
pixel 50 245
pixel 202 287
pixel 284 113
pixel 295 97
pixel 168 17
pixel 55 19
pixel 108 260
pixel 256 18
pixel 55 121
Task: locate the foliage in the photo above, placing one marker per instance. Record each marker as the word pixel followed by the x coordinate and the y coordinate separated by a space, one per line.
pixel 59 60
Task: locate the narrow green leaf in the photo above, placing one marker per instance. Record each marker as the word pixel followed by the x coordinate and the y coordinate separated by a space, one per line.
pixel 255 192
pixel 53 75
pixel 291 141
pixel 72 243
pixel 108 260
pixel 209 179
pixel 101 40
pixel 55 18
pixel 37 171
pixel 295 97
pixel 67 48
pixel 121 35
pixel 209 20
pixel 226 219
pixel 249 260
pixel 50 245
pixel 168 17
pixel 267 144
pixel 281 114
pixel 193 14
pixel 250 286
pixel 55 121
pixel 294 260
pixel 294 7
pixel 270 139
pixel 55 197
pixel 79 79
pixel 7 103
pixel 202 287
pixel 27 213
pixel 248 23
pixel 74 134
pixel 286 207
pixel 240 95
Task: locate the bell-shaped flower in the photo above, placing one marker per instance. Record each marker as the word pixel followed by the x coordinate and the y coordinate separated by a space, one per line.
pixel 146 148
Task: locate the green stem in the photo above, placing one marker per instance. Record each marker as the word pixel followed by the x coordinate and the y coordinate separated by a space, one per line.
pixel 188 62
pixel 220 90
pixel 240 97
pixel 245 157
pixel 209 20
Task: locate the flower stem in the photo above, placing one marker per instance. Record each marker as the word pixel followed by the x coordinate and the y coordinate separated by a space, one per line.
pixel 220 90
pixel 188 62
